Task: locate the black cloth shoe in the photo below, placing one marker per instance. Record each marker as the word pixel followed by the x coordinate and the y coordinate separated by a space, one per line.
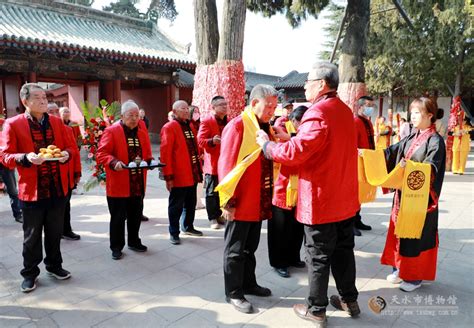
pixel 60 273
pixel 299 264
pixel 19 218
pixel 258 291
pixel 175 240
pixel 193 232
pixel 350 307
pixel 71 236
pixel 145 218
pixel 240 304
pixel 138 248
pixel 117 255
pixel 359 225
pixel 357 232
pixel 282 272
pixel 28 285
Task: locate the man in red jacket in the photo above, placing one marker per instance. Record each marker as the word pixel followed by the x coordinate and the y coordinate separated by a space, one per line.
pixel 124 142
pixel 365 140
pixel 180 152
pixel 325 149
pixel 74 174
pixel 209 139
pixel 43 184
pixel 250 204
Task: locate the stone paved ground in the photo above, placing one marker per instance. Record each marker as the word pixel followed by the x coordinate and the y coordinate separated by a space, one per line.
pixel 182 286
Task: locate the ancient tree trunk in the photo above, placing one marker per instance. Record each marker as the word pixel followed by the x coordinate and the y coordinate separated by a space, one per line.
pixel 224 77
pixel 233 27
pixel 353 50
pixel 207 31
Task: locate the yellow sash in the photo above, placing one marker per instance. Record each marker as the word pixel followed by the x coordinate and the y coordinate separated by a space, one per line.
pixel 292 187
pixel 413 181
pixel 249 151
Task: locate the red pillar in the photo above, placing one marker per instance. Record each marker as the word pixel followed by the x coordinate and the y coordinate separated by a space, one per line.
pixel 110 90
pixel 32 78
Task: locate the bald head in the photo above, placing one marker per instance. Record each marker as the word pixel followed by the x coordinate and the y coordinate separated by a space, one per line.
pixel 181 110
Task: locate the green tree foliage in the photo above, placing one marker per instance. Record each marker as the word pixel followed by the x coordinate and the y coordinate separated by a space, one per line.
pixel 295 11
pixel 427 58
pixel 157 9
pixel 86 3
pixel 334 17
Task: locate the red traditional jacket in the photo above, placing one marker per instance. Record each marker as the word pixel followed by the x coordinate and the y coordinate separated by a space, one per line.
pixel 325 149
pixel 175 154
pixel 75 169
pixel 18 142
pixel 365 133
pixel 207 130
pixel 247 197
pixel 113 146
pixel 281 183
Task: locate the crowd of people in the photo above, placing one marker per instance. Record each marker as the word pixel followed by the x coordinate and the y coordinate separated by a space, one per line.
pixel 301 174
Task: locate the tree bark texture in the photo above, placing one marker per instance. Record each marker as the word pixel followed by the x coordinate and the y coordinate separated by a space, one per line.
pixel 353 50
pixel 207 31
pixel 224 77
pixel 231 43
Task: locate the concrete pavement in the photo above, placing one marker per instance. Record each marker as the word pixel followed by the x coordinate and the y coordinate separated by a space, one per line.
pixel 182 286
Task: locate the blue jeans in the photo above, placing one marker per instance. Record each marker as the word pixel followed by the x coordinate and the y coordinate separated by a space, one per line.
pixel 8 177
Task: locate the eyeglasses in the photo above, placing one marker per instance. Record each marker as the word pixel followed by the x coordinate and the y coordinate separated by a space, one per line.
pixel 312 80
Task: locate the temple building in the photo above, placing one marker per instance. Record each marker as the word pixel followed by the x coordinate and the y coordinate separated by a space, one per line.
pixel 84 54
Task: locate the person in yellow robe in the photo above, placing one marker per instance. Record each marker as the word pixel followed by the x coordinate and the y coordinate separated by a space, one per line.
pixel 461 147
pixel 382 135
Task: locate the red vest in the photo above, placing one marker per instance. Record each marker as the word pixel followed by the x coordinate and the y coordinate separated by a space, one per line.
pixel 174 153
pixel 325 150
pixel 75 162
pixel 18 141
pixel 113 146
pixel 207 130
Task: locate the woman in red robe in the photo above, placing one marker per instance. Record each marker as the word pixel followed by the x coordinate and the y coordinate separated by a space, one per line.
pixel 414 260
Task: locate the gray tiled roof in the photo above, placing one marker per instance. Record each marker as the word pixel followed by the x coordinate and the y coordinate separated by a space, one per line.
pixel 58 26
pixel 252 79
pixel 292 80
pixel 185 79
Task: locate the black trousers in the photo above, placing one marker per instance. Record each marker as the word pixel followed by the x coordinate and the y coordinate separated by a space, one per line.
pixel 182 206
pixel 241 240
pixel 285 237
pixel 327 246
pixel 34 220
pixel 357 217
pixel 212 198
pixel 121 209
pixel 67 214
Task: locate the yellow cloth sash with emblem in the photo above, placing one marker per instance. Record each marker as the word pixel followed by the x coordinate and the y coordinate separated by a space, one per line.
pixel 292 187
pixel 248 153
pixel 414 183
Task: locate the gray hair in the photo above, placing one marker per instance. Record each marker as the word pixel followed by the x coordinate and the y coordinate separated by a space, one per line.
pixel 27 88
pixel 52 105
pixel 177 103
pixel 62 109
pixel 261 91
pixel 128 105
pixel 327 72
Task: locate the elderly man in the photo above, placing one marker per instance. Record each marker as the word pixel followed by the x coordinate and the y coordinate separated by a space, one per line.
pixel 124 142
pixel 65 114
pixel 43 184
pixel 179 151
pixel 251 202
pixel 74 174
pixel 325 149
pixel 365 140
pixel 209 138
pixel 287 109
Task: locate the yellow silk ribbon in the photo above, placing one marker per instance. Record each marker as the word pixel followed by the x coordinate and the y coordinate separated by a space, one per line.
pixel 292 187
pixel 413 181
pixel 248 153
